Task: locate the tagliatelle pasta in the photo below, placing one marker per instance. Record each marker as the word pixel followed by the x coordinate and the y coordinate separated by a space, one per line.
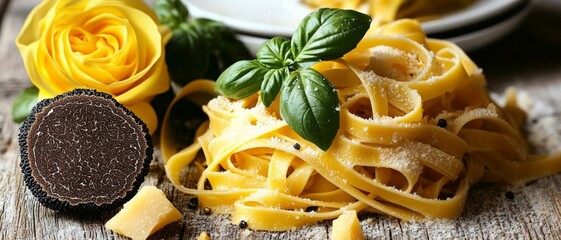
pixel 417 129
pixel 386 11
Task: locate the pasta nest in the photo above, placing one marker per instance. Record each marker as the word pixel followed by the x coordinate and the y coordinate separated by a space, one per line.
pixel 391 155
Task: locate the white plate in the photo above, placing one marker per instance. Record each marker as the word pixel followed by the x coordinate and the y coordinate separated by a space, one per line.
pixel 281 17
pixel 477 39
pixel 478 11
pixel 468 42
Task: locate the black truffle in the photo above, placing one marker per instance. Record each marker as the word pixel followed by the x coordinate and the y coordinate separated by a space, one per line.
pixel 84 151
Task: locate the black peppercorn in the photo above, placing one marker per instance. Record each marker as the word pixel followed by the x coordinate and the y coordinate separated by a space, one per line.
pixel 509 195
pixel 193 203
pixel 243 224
pixel 296 146
pixel 534 121
pixel 442 123
pixel 206 210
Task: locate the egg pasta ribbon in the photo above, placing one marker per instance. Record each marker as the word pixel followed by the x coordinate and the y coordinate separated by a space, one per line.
pixel 417 129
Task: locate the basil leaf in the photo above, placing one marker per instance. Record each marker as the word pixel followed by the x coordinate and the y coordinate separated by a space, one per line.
pixel 327 34
pixel 241 79
pixel 275 52
pixel 171 12
pixel 24 103
pixel 272 84
pixel 224 48
pixel 199 48
pixel 220 49
pixel 187 55
pixel 308 102
pixel 309 105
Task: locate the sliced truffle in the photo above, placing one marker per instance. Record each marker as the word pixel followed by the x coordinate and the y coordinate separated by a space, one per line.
pixel 83 151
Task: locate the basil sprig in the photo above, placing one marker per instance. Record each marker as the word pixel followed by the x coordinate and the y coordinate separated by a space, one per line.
pixel 308 102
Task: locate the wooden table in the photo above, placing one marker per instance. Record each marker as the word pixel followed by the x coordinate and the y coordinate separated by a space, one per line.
pixel 529 59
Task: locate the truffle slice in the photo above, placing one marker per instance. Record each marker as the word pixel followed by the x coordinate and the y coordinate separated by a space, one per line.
pixel 83 151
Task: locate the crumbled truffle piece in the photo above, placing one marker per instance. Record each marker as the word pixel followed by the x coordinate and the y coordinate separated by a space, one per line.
pixel 83 151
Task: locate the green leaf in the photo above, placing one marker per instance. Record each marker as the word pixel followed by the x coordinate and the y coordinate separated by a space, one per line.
pixel 275 52
pixel 310 107
pixel 241 79
pixel 24 103
pixel 327 34
pixel 187 54
pixel 171 13
pixel 223 47
pixel 272 84
pixel 207 28
pixel 308 102
pixel 200 48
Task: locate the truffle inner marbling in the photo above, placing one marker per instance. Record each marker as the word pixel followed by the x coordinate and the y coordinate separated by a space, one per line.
pixel 85 150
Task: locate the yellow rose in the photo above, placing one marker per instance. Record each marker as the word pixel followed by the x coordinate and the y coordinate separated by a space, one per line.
pixel 114 46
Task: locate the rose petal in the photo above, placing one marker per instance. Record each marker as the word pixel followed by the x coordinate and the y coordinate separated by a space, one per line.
pixel 146 112
pixel 114 46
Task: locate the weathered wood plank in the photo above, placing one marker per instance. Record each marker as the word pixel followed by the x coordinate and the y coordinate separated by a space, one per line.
pixel 529 59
